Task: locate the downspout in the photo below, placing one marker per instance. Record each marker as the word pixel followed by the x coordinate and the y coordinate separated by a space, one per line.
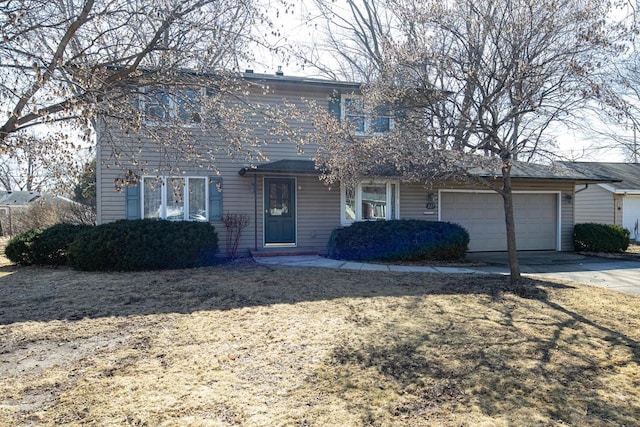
pixel 255 211
pixel 582 189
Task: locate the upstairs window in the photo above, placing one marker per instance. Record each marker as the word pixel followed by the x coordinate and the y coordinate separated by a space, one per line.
pixel 175 198
pixel 370 201
pixel 162 105
pixel 378 120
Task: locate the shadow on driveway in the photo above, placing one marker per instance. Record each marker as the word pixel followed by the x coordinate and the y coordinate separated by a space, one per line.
pixel 617 274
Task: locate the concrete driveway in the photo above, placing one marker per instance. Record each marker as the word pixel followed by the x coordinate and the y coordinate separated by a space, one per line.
pixel 621 275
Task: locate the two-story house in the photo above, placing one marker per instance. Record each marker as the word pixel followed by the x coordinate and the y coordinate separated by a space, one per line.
pixel 292 210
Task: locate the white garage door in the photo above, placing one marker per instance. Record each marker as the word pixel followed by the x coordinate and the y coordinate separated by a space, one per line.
pixel 482 214
pixel 630 213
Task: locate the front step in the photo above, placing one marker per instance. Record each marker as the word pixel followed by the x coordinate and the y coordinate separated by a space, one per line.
pixel 281 252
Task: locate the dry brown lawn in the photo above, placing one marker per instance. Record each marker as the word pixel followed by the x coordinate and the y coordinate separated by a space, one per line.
pixel 256 346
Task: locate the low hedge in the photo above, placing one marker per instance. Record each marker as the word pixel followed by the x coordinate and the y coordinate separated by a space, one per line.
pixel 43 246
pixel 591 237
pixel 399 240
pixel 146 244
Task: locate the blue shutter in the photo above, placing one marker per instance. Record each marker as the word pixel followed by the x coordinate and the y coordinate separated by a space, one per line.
pixel 334 106
pixel 215 198
pixel 132 201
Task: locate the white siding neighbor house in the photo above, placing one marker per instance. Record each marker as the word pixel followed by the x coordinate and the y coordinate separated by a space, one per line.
pixel 609 203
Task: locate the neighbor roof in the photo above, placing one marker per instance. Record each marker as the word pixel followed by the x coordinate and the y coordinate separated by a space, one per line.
pixel 628 174
pixel 18 198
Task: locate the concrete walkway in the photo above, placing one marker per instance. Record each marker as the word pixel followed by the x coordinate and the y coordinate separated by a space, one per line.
pixel 318 261
pixel 621 275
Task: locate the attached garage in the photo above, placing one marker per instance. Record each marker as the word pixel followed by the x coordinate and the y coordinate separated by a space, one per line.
pixel 537 218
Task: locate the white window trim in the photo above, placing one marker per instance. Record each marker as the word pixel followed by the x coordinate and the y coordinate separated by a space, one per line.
pixel 185 194
pixel 358 200
pixel 172 108
pixel 368 118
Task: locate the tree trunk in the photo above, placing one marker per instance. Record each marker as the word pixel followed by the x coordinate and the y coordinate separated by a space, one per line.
pixel 507 197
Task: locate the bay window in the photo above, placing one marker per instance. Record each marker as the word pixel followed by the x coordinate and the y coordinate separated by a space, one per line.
pixel 175 198
pixel 371 200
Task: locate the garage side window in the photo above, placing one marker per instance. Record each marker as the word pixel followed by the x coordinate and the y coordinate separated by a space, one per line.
pixel 370 201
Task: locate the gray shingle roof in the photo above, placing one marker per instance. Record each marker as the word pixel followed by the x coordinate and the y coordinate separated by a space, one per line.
pixel 627 173
pixel 18 198
pixel 520 170
pixel 294 167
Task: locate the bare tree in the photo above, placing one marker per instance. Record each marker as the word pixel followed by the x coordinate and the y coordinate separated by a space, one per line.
pixel 619 126
pixel 72 61
pixel 477 84
pixel 36 163
pixel 349 38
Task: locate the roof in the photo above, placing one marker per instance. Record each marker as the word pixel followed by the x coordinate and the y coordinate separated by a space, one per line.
pixel 523 170
pixel 520 170
pixel 25 198
pixel 292 167
pixel 18 198
pixel 627 174
pixel 279 77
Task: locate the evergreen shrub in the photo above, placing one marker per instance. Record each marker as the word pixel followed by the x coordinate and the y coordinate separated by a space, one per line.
pixel 43 245
pixel 19 248
pixel 146 244
pixel 52 246
pixel 399 240
pixel 591 237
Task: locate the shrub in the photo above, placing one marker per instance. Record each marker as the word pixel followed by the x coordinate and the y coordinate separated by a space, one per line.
pixel 19 248
pixel 43 245
pixel 147 244
pixel 592 237
pixel 402 240
pixel 52 245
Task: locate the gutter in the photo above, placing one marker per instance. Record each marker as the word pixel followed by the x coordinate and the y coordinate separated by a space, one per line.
pixel 623 191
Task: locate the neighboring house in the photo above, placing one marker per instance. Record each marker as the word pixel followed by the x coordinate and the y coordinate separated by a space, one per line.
pixel 609 203
pixel 293 211
pixel 13 201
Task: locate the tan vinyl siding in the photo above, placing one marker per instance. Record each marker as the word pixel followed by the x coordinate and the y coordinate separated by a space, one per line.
pixel 318 213
pixel 595 204
pixel 112 203
pixel 413 202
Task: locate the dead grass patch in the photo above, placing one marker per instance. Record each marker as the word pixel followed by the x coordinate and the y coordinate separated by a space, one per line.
pixel 634 248
pixel 251 345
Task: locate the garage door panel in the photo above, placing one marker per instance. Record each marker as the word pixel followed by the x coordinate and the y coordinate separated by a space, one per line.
pixel 482 214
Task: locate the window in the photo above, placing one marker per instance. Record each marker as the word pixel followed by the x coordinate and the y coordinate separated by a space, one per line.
pixel 175 198
pixel 378 121
pixel 373 200
pixel 161 105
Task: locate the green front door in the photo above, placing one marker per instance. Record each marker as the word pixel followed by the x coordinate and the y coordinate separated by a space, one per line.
pixel 279 211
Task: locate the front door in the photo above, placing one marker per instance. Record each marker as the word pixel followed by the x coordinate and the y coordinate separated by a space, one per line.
pixel 279 212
